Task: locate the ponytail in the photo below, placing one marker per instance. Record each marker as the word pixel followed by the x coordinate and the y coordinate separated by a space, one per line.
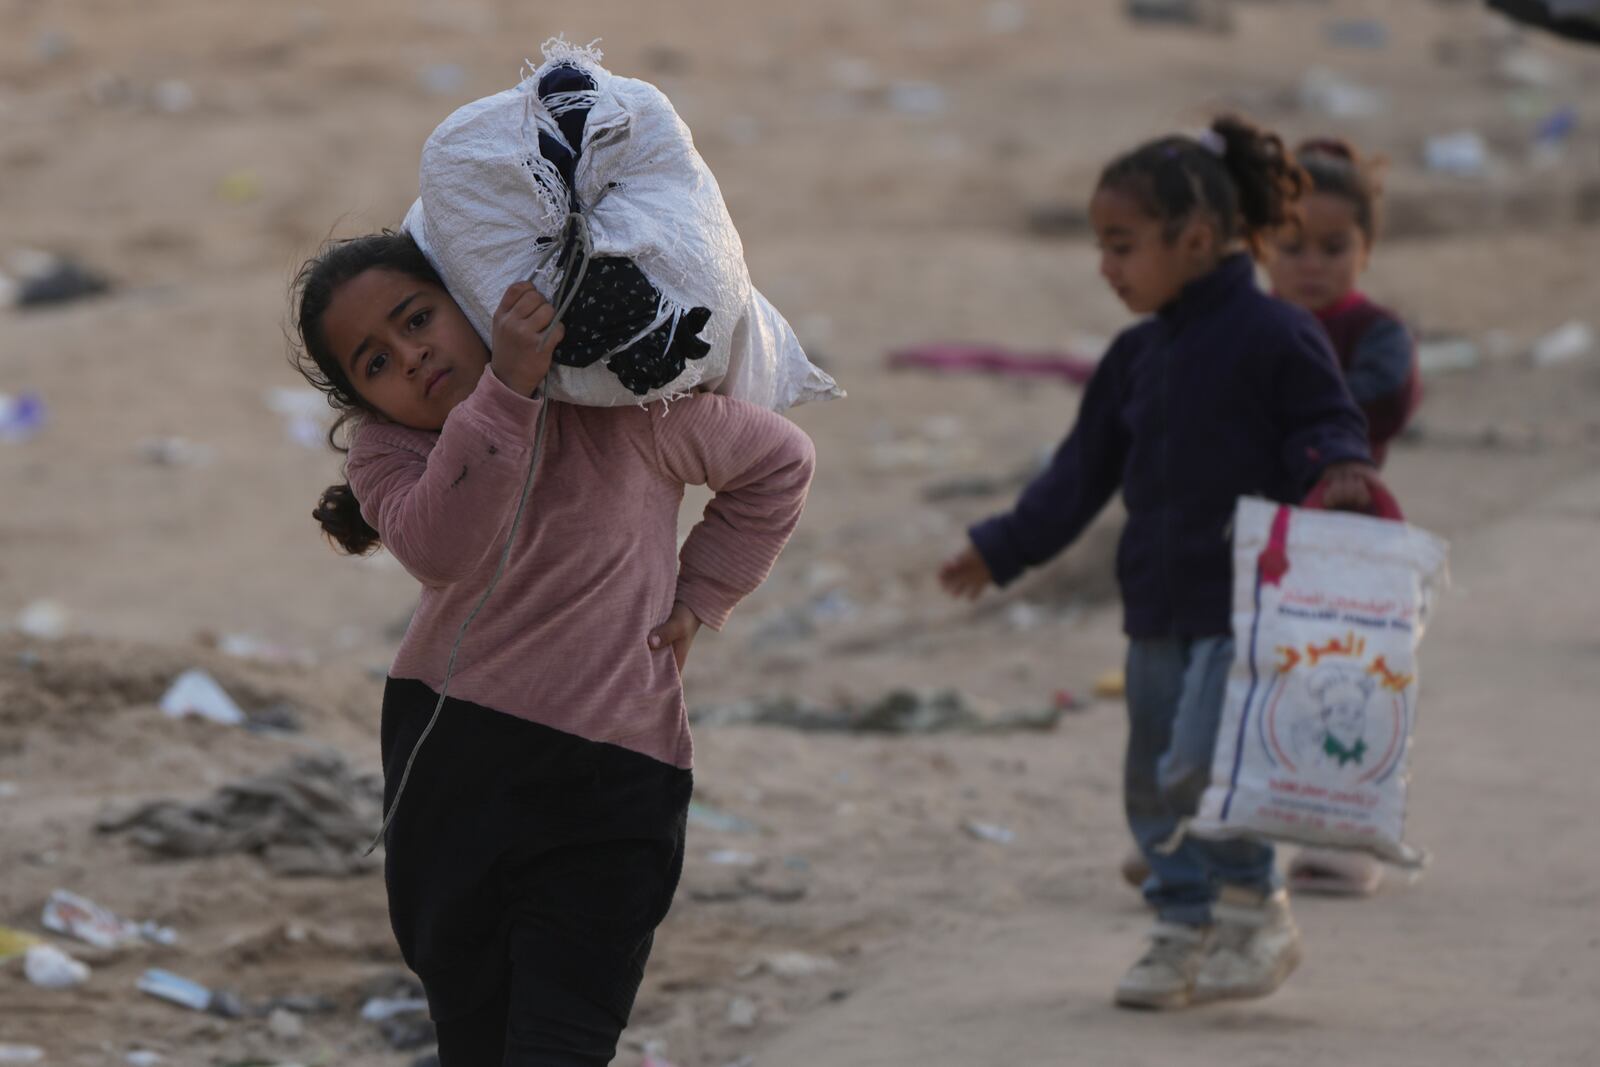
pixel 1236 172
pixel 340 517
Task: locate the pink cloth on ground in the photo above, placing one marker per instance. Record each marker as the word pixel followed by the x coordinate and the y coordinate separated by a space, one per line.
pixel 563 639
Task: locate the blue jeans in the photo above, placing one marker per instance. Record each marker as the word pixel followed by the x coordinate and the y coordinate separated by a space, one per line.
pixel 1175 691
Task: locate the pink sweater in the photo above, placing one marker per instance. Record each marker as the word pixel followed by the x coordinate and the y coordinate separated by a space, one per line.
pixel 562 641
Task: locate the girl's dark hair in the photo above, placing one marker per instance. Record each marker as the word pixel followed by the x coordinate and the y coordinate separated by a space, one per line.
pixel 313 290
pixel 1249 187
pixel 1336 168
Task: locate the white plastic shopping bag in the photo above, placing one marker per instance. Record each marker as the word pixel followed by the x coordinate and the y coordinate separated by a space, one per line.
pixel 1328 611
pixel 494 209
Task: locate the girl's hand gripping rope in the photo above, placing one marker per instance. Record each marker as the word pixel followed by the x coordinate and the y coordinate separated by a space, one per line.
pixel 524 338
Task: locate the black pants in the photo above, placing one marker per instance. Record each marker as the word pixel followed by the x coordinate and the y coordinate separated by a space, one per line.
pixel 527 871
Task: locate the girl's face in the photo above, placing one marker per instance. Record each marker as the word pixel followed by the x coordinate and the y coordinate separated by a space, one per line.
pixel 1317 263
pixel 405 345
pixel 1143 266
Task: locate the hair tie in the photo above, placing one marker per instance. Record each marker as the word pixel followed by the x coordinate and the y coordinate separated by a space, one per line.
pixel 1212 142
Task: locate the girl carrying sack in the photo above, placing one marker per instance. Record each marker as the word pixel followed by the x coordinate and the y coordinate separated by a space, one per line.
pixel 1328 611
pixel 664 303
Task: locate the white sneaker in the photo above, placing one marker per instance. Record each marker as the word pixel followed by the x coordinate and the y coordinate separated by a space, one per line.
pixel 1256 946
pixel 1164 977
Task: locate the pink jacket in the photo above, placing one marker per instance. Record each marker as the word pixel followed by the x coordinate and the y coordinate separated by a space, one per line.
pixel 562 641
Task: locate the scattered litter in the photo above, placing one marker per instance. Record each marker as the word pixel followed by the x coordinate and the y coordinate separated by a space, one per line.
pixel 853 73
pixel 732 857
pixel 1213 15
pixel 1326 93
pixel 917 98
pixel 1529 68
pixel 1111 685
pixel 67 913
pixel 1023 616
pixel 196 693
pixel 176 452
pixel 1066 700
pixel 988 831
pixel 47 620
pixel 377 1009
pixel 285 1025
pixel 21 1054
pixel 990 359
pixel 49 968
pixel 900 711
pixel 1556 127
pixel 173 97
pixel 9 789
pixel 304 411
pixel 43 278
pixel 144 1058
pixel 798 964
pixel 1462 154
pixel 164 985
pixel 742 1013
pixel 312 816
pixel 14 943
pixel 1356 33
pixel 1569 342
pixel 1446 354
pixel 443 79
pixel 653 1058
pixel 21 417
pixel 706 817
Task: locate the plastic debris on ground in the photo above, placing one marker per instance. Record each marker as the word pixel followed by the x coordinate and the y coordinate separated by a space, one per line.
pixel 1462 154
pixel 705 817
pixel 900 711
pixel 196 693
pixel 377 1009
pixel 1327 93
pixel 176 989
pixel 732 857
pixel 176 452
pixel 21 1054
pixel 1212 15
pixel 22 417
pixel 42 279
pixel 311 817
pixel 1111 685
pixel 173 97
pixel 988 831
pixel 239 187
pixel 47 620
pixel 305 412
pixel 1446 354
pixel 949 357
pixel 14 943
pixel 144 1058
pixel 79 917
pixel 49 968
pixel 743 1013
pixel 1567 343
pixel 443 79
pixel 797 964
pixel 917 98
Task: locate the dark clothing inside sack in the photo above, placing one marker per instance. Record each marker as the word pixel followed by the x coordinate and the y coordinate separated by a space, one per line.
pixel 615 314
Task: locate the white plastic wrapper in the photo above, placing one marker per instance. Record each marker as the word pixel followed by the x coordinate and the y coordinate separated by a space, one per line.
pixel 1328 611
pixel 492 212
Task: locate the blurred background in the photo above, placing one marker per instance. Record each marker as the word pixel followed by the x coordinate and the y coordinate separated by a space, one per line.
pixel 901 171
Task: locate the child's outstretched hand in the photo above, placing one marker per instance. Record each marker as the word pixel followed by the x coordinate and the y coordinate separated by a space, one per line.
pixel 678 631
pixel 520 348
pixel 965 574
pixel 1346 487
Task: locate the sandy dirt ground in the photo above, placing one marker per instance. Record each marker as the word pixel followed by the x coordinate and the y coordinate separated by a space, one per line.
pixel 887 163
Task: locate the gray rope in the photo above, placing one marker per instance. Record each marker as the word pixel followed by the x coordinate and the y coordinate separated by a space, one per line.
pixel 577 259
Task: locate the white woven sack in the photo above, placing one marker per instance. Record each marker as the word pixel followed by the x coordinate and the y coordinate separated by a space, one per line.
pixel 484 221
pixel 1314 745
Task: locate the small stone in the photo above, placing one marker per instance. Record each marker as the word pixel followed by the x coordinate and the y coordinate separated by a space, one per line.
pixel 285 1025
